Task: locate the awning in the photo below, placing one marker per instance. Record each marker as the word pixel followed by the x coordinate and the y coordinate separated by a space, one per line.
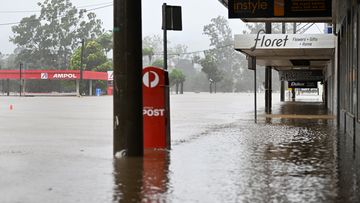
pixel 288 51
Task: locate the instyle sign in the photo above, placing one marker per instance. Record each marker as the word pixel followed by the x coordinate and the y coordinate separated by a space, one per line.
pixel 302 84
pixel 280 10
pixel 154 107
pixel 284 41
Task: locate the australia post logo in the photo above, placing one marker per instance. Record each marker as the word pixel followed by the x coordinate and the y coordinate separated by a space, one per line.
pixel 151 79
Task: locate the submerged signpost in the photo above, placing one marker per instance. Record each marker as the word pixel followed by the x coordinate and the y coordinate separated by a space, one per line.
pixel 171 21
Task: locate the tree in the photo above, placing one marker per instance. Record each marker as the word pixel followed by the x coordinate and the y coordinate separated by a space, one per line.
pixel 158 63
pixel 93 56
pixel 152 45
pixel 211 70
pixel 227 61
pixel 177 78
pixel 106 41
pixel 49 39
pixel 149 52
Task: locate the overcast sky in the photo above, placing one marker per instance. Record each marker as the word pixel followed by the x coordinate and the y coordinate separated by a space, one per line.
pixel 196 14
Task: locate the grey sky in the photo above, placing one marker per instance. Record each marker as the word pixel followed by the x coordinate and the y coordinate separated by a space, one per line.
pixel 196 14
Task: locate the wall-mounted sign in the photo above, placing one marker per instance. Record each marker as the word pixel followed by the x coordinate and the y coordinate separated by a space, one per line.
pixel 302 84
pixel 301 75
pixel 284 41
pixel 280 10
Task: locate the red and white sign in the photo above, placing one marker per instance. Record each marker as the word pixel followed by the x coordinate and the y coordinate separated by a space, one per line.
pixel 64 76
pixel 110 75
pixel 151 79
pixel 154 107
pixel 44 76
pixel 52 75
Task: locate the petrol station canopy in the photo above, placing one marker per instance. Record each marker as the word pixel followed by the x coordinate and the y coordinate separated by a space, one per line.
pixel 54 75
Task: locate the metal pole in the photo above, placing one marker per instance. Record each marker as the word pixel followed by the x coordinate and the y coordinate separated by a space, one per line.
pixel 20 77
pixel 268 90
pixel 82 65
pixel 24 81
pixel 127 56
pixel 8 87
pixel 167 85
pixel 255 95
pixel 282 83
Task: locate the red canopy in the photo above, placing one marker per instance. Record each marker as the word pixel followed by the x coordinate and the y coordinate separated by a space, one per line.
pixel 52 75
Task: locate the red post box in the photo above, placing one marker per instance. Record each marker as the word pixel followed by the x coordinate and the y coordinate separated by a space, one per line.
pixel 154 111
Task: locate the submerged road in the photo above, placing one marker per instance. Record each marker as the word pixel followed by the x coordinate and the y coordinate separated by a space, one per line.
pixel 59 149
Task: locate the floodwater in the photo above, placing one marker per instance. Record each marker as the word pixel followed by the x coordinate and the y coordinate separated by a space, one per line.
pixel 59 149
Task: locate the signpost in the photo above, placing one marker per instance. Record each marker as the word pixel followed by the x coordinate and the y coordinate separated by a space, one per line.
pixel 281 10
pixel 171 20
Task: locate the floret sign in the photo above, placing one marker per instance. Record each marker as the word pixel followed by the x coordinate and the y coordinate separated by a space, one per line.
pixel 281 10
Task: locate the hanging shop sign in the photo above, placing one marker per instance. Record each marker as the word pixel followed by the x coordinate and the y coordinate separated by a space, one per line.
pixel 302 84
pixel 284 41
pixel 281 10
pixel 301 75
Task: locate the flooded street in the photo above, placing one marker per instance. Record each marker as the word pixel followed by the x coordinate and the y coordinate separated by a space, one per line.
pixel 59 149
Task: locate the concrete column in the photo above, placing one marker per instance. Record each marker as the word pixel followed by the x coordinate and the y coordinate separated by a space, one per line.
pixel 268 77
pixel 90 87
pixel 78 88
pixel 282 91
pixel 127 55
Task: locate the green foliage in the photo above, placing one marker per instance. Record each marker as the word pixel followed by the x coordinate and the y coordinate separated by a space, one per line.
pixel 94 57
pixel 226 64
pixel 176 76
pixel 158 63
pixel 210 68
pixel 106 41
pixel 49 39
pixel 149 52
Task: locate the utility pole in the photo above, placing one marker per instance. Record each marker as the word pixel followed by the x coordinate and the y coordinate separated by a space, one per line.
pixel 20 77
pixel 82 65
pixel 128 101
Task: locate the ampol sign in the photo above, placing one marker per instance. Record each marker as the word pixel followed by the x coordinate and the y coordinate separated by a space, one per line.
pixel 154 107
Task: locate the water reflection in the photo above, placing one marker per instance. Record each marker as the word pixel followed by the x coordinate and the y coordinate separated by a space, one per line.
pixel 348 169
pixel 142 179
pixel 276 160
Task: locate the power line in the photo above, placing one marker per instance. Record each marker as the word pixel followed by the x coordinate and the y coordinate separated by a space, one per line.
pixel 195 52
pixel 37 11
pixel 16 23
